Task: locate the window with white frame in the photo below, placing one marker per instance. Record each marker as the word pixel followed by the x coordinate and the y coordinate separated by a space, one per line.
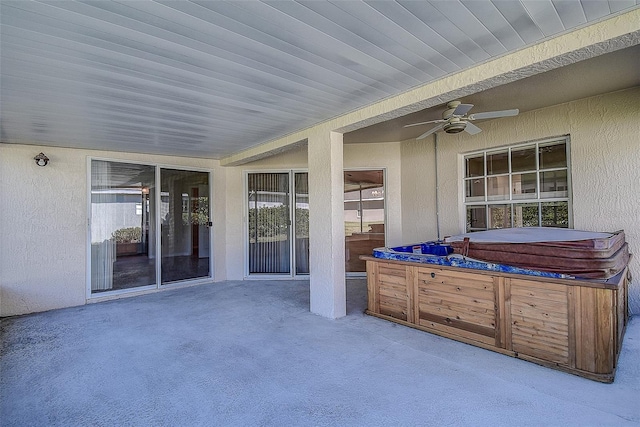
pixel 525 185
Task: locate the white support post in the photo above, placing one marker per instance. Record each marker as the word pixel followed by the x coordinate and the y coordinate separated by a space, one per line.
pixel 326 225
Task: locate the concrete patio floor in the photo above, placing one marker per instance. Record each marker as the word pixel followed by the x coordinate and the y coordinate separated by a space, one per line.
pixel 251 353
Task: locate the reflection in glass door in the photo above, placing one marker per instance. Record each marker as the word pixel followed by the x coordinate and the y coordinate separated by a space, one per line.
pixel 363 216
pixel 122 226
pixel 185 225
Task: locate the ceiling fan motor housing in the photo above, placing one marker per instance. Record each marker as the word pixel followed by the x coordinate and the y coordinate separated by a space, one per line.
pixel 455 126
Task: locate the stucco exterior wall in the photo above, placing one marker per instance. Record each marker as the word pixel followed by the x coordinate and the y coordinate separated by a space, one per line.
pixel 43 224
pixel 605 166
pixel 419 218
pixel 356 156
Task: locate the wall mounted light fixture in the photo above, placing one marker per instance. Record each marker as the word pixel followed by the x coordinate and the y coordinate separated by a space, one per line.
pixel 41 159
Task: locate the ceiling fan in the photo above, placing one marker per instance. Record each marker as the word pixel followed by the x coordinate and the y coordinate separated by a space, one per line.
pixel 455 119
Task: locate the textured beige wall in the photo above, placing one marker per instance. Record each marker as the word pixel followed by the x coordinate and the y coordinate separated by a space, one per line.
pixel 605 166
pixel 43 224
pixel 418 191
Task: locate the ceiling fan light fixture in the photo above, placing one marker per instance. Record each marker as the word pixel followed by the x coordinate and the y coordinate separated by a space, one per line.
pixel 455 127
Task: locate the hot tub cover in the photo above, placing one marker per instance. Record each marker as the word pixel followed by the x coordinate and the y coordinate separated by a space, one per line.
pixel 578 253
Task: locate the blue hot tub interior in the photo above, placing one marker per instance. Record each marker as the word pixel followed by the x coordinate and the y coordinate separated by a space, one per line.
pixel 440 253
pixel 426 248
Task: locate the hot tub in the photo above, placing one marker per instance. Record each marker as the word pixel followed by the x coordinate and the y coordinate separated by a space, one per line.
pixel 574 325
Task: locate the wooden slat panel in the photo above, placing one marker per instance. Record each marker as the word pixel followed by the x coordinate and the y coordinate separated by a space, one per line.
pixel 456 331
pixel 527 312
pixel 395 305
pixel 372 286
pixel 412 278
pixel 397 280
pixel 540 353
pixel 392 269
pixel 391 286
pixel 457 300
pixel 577 294
pixel 525 284
pixel 552 307
pixel 458 276
pixel 554 343
pixel 501 327
pixel 508 344
pixel 571 307
pixel 560 349
pixel 400 303
pixel 393 310
pixel 416 299
pixel 462 307
pixel 459 324
pixel 533 333
pixel 537 291
pixel 588 330
pixel 386 293
pixel 453 312
pixel 443 302
pixel 392 290
pixel 435 294
pixel 470 289
pixel 539 323
pixel 604 323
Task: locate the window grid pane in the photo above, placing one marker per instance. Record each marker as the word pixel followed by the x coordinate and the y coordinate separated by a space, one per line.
pixel 474 190
pixel 530 184
pixel 474 166
pixel 555 214
pixel 499 216
pixel 498 187
pixel 497 163
pixel 526 215
pixel 476 218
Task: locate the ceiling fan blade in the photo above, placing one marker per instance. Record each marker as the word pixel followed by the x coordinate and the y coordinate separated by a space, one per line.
pixel 472 129
pixel 494 114
pixel 430 131
pixel 462 109
pixel 424 123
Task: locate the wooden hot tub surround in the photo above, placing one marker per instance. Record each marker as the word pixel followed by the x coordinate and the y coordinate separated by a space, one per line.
pixel 572 325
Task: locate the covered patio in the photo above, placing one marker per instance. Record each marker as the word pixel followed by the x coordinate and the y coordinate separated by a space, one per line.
pixel 251 353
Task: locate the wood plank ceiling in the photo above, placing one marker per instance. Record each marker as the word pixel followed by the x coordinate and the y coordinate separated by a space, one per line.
pixel 211 78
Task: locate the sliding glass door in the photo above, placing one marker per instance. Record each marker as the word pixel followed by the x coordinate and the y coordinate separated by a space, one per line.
pixel 269 223
pixel 271 248
pixel 126 209
pixel 364 214
pixel 122 226
pixel 184 209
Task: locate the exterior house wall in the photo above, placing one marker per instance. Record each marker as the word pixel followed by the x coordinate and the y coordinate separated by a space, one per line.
pixel 43 224
pixel 418 191
pixel 605 167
